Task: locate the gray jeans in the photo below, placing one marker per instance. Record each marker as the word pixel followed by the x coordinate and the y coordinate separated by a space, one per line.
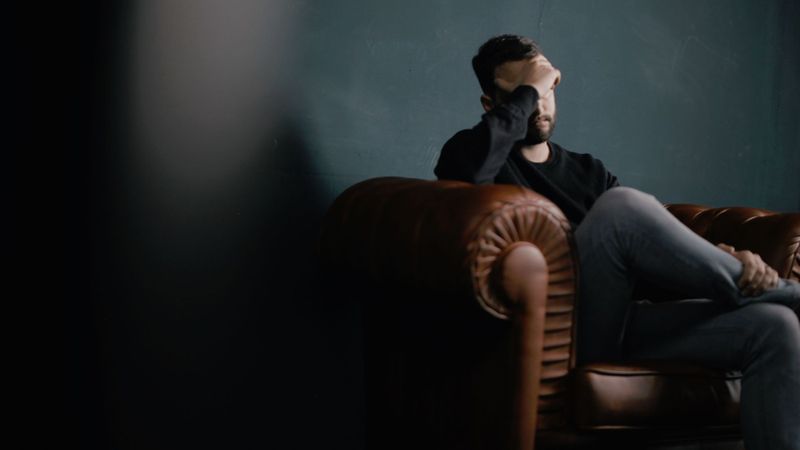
pixel 629 237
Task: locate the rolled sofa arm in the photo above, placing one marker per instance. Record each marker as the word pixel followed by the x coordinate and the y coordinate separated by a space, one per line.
pixel 446 236
pixel 773 236
pixel 504 247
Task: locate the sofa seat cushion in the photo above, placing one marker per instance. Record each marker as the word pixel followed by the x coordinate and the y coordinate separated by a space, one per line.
pixel 655 396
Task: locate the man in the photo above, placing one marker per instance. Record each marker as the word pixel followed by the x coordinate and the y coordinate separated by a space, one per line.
pixel 743 316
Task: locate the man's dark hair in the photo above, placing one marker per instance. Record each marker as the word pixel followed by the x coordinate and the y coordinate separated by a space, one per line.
pixel 499 50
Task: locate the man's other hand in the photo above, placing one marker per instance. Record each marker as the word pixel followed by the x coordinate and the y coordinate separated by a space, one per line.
pixel 536 72
pixel 756 276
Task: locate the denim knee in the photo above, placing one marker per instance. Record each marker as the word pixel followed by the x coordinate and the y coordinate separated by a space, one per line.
pixel 775 328
pixel 624 196
pixel 621 203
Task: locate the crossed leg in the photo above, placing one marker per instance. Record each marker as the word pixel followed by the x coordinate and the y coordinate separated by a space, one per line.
pixel 628 236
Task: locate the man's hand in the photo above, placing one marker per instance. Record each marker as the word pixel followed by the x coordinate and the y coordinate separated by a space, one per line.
pixel 536 72
pixel 756 276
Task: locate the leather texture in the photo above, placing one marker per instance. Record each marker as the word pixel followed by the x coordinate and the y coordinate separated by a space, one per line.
pixel 655 396
pixel 448 237
pixel 447 346
pixel 773 236
pixel 444 236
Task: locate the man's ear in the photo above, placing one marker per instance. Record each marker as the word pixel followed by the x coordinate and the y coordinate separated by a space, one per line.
pixel 487 102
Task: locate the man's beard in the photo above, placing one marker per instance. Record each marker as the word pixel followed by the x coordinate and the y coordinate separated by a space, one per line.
pixel 538 135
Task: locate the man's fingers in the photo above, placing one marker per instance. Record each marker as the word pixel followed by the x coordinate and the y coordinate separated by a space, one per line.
pixel 756 275
pixel 770 279
pixel 748 269
pixel 765 277
pixel 757 286
pixel 540 59
pixel 727 248
pixel 558 77
pixel 774 278
pixel 546 79
pixel 766 281
pixel 504 84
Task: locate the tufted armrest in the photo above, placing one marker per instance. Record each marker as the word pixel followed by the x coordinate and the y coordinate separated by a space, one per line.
pixel 446 236
pixel 505 248
pixel 774 236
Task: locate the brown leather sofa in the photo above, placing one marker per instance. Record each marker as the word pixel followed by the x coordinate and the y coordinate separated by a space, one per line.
pixel 469 296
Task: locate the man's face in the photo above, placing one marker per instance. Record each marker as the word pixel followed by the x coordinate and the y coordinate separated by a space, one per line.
pixel 542 122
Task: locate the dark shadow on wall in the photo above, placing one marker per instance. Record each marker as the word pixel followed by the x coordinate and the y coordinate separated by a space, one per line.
pixel 195 322
pixel 212 331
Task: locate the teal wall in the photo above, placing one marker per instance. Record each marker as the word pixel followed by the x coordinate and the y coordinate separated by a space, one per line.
pixel 202 142
pixel 693 101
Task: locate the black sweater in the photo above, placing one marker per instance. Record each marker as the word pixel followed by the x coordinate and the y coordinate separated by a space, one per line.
pixel 490 153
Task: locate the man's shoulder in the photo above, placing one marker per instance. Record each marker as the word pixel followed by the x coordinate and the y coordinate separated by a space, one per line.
pixel 466 135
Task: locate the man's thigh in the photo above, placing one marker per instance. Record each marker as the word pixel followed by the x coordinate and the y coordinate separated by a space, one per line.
pixel 702 331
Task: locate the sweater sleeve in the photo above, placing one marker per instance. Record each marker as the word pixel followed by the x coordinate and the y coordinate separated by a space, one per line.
pixel 477 155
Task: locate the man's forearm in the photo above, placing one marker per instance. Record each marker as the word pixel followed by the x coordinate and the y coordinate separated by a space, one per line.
pixel 479 159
